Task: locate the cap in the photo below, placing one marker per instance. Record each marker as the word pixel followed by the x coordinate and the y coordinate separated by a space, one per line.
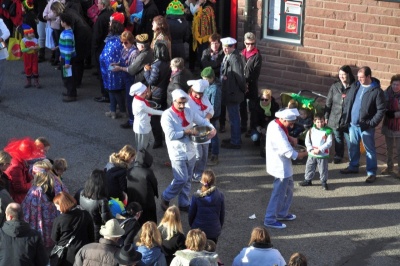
pixel 198 85
pixel 118 17
pixel 289 114
pixel 208 72
pixel 228 41
pixel 175 8
pixel 27 29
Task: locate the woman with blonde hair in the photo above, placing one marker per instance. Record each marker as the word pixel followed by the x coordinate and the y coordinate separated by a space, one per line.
pixel 116 172
pixel 207 210
pixel 149 245
pixel 171 231
pixel 260 251
pixel 39 210
pixel 196 241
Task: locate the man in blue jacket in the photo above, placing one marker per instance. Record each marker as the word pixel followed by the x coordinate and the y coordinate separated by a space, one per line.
pixel 364 108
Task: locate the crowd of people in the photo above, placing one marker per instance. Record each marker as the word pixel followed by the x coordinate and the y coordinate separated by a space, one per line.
pixel 139 58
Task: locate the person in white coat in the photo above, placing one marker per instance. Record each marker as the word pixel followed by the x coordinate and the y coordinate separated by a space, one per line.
pixel 142 111
pixel 177 123
pixel 4 35
pixel 204 108
pixel 279 153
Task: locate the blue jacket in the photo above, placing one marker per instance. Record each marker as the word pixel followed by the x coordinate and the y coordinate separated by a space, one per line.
pixel 111 54
pixel 207 212
pixel 151 257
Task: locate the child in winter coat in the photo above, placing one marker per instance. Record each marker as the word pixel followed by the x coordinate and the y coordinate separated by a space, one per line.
pixel 318 141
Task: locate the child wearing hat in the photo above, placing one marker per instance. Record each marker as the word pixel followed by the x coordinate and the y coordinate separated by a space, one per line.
pixel 142 111
pixel 29 48
pixel 214 94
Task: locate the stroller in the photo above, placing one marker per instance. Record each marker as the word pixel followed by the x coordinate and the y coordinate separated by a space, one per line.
pixel 307 106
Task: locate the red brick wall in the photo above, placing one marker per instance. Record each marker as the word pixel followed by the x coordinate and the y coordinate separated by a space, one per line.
pixel 336 32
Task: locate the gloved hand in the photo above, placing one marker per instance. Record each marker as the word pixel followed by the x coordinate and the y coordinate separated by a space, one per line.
pixel 390 114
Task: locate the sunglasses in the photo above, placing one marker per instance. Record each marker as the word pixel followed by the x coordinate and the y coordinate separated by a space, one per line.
pixel 264 100
pixel 250 43
pixel 125 42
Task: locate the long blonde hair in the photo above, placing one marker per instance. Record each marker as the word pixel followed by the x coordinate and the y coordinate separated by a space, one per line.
pixel 43 177
pixel 149 235
pixel 171 221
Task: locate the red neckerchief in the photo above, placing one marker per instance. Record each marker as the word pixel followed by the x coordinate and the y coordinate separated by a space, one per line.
pixel 283 127
pixel 181 115
pixel 199 102
pixel 143 100
pixel 247 55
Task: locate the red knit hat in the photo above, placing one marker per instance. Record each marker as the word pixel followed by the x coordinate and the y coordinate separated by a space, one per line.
pixel 118 17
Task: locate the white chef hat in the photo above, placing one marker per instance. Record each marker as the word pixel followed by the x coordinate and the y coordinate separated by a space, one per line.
pixel 178 93
pixel 289 114
pixel 137 88
pixel 198 85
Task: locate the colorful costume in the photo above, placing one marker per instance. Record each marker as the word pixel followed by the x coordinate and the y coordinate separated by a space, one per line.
pixel 30 56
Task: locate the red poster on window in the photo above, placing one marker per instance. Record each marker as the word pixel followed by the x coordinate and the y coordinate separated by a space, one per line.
pixel 292 24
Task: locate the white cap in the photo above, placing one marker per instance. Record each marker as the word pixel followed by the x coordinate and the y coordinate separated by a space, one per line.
pixel 289 114
pixel 137 89
pixel 228 41
pixel 198 85
pixel 178 93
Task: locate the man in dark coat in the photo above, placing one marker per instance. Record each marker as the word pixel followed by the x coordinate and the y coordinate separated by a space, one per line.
pixel 143 186
pixel 150 10
pixel 19 243
pixel 233 89
pixel 252 71
pixel 179 78
pixel 100 31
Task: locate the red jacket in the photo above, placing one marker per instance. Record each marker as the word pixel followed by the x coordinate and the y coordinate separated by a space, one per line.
pixel 20 179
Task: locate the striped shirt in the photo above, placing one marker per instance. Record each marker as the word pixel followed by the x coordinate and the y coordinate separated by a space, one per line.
pixel 67 45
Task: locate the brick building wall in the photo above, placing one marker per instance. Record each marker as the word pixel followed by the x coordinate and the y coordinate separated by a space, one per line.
pixel 336 32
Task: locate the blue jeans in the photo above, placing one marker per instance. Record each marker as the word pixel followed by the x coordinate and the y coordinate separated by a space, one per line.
pixel 368 138
pixel 180 185
pixel 215 140
pixel 280 201
pixel 234 120
pixel 117 97
pixel 339 138
pixel 201 160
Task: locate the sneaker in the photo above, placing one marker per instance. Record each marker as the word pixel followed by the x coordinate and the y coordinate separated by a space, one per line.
pixel 113 115
pixel 347 170
pixel 370 179
pixel 289 217
pixel 324 186
pixel 164 204
pixel 387 171
pixel 305 183
pixel 213 160
pixel 276 225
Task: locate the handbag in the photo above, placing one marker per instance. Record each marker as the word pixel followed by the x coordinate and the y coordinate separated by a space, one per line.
pixel 49 38
pixel 58 253
pixel 14 47
pixel 93 12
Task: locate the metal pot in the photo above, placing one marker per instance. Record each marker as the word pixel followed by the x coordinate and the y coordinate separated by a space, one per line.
pixel 300 148
pixel 200 134
pixel 154 105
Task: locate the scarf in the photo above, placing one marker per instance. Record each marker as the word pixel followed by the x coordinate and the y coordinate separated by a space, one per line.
pixel 181 115
pixel 247 55
pixel 143 100
pixel 199 102
pixel 283 127
pixel 267 109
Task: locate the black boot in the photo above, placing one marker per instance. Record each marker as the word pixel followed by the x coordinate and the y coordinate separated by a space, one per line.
pixel 36 82
pixel 28 82
pixel 41 55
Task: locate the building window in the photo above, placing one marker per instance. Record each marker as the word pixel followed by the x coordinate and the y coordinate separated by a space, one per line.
pixel 283 21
